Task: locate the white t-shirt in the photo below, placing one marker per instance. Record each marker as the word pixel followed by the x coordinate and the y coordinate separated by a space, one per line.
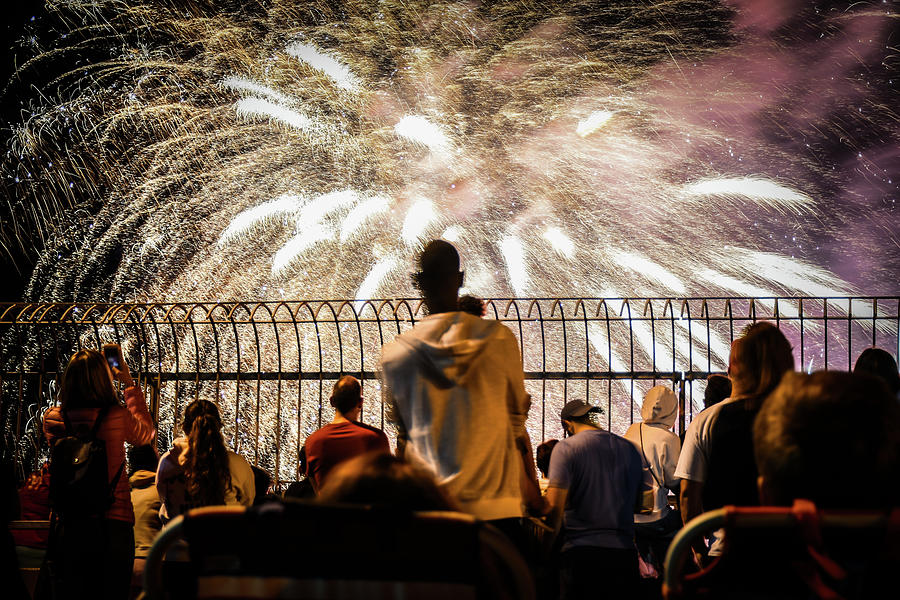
pixel 694 459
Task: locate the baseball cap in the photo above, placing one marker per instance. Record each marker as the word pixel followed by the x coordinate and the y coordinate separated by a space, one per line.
pixel 577 408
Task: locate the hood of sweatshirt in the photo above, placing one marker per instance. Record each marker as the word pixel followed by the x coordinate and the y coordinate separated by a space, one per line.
pixel 660 407
pixel 141 479
pixel 448 344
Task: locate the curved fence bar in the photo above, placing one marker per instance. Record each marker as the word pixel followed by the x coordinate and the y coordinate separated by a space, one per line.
pixel 270 365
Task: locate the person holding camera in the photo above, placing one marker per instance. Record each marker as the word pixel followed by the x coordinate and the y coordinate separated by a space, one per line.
pixel 91 549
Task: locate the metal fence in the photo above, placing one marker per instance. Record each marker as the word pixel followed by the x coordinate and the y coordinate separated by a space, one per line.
pixel 270 365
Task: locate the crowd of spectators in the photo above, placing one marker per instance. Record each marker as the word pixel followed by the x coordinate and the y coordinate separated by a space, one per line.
pixel 454 389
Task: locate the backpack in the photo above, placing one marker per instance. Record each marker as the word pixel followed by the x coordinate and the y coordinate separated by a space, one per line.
pixel 79 472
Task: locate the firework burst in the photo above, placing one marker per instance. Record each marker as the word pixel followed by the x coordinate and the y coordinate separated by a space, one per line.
pixel 307 150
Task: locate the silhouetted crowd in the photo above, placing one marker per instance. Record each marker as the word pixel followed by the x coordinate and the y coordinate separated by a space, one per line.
pixel 598 521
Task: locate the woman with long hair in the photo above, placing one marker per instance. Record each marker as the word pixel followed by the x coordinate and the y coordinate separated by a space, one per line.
pixel 93 554
pixel 199 470
pixel 717 466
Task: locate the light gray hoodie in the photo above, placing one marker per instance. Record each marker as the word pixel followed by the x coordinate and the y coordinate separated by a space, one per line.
pixel 458 391
pixel 661 447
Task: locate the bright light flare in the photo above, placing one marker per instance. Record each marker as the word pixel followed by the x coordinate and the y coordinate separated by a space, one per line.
pixel 330 66
pixel 514 256
pixel 247 220
pixel 451 234
pixel 419 216
pixel 422 131
pixel 259 107
pixel 764 191
pixel 593 122
pixel 560 241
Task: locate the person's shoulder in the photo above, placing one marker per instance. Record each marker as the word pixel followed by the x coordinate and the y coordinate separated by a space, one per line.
pixel 398 351
pixel 706 416
pixel 167 465
pixel 117 412
pixel 587 438
pixel 658 433
pixel 633 432
pixel 318 434
pixel 497 330
pixel 236 461
pixel 53 419
pixel 370 429
pixel 562 450
pixel 712 414
pixel 732 406
pixel 669 437
pixel 624 444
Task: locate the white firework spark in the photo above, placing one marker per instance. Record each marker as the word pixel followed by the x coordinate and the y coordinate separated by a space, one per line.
pixel 339 73
pixel 514 256
pixel 419 216
pixel 260 107
pixel 362 212
pixel 243 84
pixel 288 204
pixel 642 265
pixel 419 129
pixel 776 195
pixel 593 122
pixel 560 241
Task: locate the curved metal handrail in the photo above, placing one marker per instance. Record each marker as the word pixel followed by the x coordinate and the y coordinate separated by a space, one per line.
pixel 202 347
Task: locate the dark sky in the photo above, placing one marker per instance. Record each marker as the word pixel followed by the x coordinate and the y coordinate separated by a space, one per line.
pixel 17 20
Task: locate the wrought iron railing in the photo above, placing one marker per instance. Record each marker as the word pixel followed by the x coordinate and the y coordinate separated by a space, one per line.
pixel 270 365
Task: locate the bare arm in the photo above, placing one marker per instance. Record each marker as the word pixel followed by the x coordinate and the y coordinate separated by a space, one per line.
pixel 690 499
pixel 556 498
pixel 531 491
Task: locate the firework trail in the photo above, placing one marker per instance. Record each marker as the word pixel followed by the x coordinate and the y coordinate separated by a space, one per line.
pixel 307 150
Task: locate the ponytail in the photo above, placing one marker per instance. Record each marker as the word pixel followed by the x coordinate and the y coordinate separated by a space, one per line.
pixel 206 472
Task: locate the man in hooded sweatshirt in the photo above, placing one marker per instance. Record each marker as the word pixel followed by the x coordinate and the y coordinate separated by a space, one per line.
pixel 456 387
pixel 660 447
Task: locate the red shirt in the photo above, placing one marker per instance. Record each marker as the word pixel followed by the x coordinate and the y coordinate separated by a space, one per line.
pixel 131 423
pixel 336 442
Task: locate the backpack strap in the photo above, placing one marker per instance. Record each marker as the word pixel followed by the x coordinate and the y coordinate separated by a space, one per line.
pixel 644 456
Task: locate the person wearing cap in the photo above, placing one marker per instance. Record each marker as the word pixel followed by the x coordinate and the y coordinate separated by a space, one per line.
pixel 654 439
pixel 594 479
pixel 456 389
pixel 345 437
